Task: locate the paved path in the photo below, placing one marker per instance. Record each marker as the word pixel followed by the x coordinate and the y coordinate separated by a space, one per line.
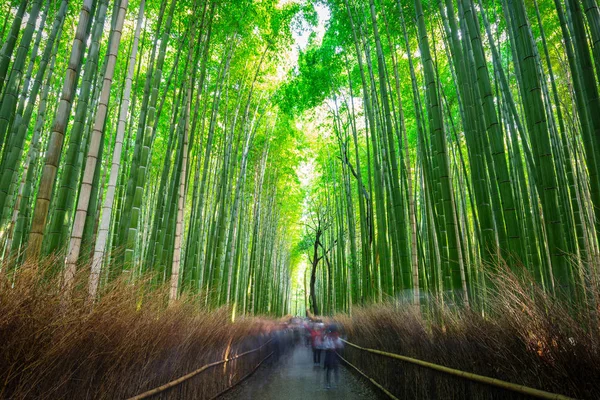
pixel 295 378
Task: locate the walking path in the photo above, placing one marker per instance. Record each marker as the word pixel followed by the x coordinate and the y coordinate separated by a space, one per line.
pixel 294 377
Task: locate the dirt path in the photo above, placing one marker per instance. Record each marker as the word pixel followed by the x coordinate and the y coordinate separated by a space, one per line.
pixel 295 377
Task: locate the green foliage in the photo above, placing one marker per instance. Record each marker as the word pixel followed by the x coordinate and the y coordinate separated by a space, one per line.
pixel 316 78
pixel 378 123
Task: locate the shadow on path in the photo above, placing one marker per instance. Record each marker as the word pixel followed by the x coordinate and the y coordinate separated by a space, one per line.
pixel 294 377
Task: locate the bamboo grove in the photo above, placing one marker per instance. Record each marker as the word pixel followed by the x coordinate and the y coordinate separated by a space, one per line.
pixel 461 138
pixel 163 139
pixel 138 139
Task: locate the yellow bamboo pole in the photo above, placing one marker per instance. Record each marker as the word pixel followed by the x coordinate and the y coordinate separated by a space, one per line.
pixel 540 394
pixel 184 378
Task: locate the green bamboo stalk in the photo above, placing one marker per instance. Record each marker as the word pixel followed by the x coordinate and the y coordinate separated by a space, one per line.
pixel 58 231
pixel 141 172
pixel 448 238
pixel 9 45
pixel 538 129
pixel 9 99
pixel 57 136
pixel 23 118
pixel 93 153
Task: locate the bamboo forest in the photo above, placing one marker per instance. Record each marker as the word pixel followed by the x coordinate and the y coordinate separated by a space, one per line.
pixel 184 182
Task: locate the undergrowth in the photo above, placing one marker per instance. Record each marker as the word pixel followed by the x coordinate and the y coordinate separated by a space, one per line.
pixel 128 342
pixel 525 336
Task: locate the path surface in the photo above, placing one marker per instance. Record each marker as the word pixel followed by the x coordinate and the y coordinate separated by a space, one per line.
pixel 295 378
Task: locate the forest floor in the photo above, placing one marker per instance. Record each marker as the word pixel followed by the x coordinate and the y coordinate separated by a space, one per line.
pixel 294 377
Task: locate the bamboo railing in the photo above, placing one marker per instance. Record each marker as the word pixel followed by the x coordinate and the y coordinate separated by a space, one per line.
pixel 540 394
pixel 178 381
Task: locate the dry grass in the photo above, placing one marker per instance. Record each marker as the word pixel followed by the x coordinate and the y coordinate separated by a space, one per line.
pixel 526 337
pixel 129 342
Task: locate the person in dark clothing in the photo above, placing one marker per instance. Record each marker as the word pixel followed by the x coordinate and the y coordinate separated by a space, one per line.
pixel 307 335
pixel 331 343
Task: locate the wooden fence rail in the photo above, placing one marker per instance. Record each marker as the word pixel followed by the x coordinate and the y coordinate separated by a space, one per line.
pixel 166 386
pixel 540 394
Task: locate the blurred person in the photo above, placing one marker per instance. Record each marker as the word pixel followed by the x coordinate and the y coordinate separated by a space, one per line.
pixel 277 334
pixel 307 335
pixel 332 343
pixel 316 335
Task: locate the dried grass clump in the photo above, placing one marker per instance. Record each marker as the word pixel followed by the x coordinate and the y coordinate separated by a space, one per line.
pixel 525 337
pixel 127 343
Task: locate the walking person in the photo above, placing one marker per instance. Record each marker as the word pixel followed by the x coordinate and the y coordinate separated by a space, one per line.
pixel 307 334
pixel 331 343
pixel 316 335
